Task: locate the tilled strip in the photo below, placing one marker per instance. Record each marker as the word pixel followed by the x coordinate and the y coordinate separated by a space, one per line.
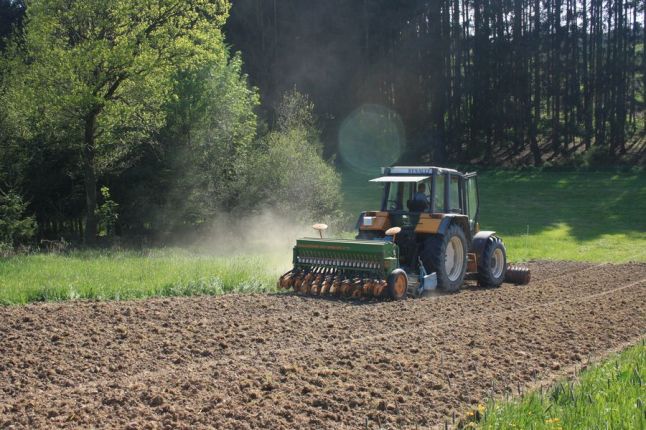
pixel 329 327
pixel 306 354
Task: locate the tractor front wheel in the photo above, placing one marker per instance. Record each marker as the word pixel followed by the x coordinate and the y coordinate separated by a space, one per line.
pixel 397 284
pixel 447 255
pixel 492 265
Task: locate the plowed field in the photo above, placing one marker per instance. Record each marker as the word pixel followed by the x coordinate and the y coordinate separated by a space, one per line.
pixel 285 361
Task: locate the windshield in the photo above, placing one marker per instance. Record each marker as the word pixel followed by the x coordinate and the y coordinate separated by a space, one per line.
pixel 408 196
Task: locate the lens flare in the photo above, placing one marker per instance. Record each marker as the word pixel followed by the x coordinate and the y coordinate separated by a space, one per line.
pixel 371 137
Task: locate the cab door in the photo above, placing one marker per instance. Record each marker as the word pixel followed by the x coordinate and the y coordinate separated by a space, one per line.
pixel 471 200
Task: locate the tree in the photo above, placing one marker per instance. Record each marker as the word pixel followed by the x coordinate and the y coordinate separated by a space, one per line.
pixel 15 225
pixel 211 127
pixel 108 212
pixel 11 13
pixel 288 173
pixel 494 81
pixel 95 74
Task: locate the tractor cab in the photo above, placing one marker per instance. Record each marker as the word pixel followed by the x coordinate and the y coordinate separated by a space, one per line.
pixel 436 212
pixel 414 194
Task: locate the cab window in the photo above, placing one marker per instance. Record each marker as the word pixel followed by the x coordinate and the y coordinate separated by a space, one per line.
pixel 454 195
pixel 421 198
pixel 393 203
pixel 400 195
pixel 439 193
pixel 472 201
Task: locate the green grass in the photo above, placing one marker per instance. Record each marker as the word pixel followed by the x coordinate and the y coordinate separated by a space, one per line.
pixel 587 216
pixel 611 395
pixel 596 216
pixel 123 275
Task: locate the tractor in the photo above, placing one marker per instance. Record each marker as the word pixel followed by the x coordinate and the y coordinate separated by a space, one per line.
pixel 426 236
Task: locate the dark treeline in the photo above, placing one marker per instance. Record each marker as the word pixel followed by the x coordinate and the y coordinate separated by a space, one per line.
pixel 152 118
pixel 473 80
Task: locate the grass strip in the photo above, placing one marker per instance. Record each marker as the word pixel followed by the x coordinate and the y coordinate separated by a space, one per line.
pixel 122 275
pixel 609 395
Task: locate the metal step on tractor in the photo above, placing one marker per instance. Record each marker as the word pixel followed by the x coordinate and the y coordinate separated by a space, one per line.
pixel 425 237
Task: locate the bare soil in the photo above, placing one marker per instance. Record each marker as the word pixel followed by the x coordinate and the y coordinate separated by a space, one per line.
pixel 285 361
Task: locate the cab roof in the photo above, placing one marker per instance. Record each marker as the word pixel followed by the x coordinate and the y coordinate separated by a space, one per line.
pixel 400 178
pixel 416 170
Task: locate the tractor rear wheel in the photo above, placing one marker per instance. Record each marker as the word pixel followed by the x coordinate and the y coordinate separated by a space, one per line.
pixel 492 265
pixel 446 255
pixel 397 284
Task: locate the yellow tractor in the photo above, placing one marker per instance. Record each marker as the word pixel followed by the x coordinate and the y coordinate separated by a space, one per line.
pixel 425 236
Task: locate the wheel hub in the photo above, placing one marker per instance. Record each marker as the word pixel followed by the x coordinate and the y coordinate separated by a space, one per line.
pixel 497 263
pixel 454 258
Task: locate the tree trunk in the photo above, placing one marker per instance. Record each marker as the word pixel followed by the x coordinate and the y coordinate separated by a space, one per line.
pixel 90 180
pixel 556 78
pixel 536 152
pixel 438 81
pixel 587 95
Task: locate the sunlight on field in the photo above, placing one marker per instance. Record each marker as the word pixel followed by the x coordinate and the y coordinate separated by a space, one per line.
pixel 558 243
pixel 571 215
pixel 595 216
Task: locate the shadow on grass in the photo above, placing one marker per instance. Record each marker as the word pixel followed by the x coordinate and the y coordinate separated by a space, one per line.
pixel 589 204
pixel 585 203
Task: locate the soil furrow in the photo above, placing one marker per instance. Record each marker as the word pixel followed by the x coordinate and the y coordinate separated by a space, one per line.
pixel 283 361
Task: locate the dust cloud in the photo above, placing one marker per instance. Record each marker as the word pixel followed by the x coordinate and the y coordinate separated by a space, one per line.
pixel 266 232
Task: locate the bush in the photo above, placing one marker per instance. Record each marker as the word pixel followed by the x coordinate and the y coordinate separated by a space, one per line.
pixel 288 173
pixel 108 212
pixel 15 227
pixel 210 129
pixel 6 250
pixel 291 177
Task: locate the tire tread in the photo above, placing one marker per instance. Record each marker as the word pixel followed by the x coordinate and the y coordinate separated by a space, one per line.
pixel 433 256
pixel 485 277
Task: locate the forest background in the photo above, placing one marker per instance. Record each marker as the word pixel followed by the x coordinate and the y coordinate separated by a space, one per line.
pixel 149 120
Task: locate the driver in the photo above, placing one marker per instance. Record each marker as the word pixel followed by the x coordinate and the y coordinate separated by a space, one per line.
pixel 420 195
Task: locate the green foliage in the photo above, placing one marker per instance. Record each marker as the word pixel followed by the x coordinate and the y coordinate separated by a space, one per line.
pixel 288 172
pixel 111 59
pixel 93 77
pixel 11 13
pixel 108 211
pixel 15 226
pixel 609 395
pixel 212 125
pixel 216 164
pixel 122 275
pixel 147 96
pixel 296 112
